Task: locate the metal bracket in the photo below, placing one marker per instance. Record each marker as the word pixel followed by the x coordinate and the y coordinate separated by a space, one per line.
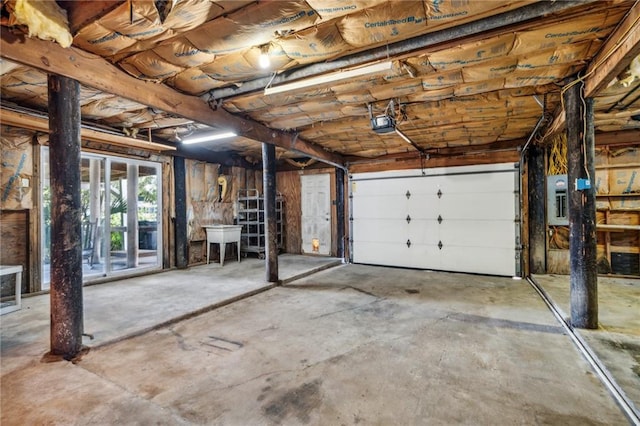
pixel 439 193
pixel 408 194
pixel 408 218
pixel 439 219
pixel 440 245
pixel 409 243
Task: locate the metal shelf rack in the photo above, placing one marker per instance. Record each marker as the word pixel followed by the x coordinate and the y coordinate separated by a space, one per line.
pixel 251 217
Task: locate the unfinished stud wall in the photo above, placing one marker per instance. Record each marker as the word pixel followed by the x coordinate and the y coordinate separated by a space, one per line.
pixel 17 181
pixel 210 201
pixel 618 215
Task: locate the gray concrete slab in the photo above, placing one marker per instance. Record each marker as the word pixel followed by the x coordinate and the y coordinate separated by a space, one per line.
pixel 616 342
pixel 350 345
pixel 132 306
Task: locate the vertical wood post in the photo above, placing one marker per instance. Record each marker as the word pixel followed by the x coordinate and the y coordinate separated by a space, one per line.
pixel 66 227
pixel 582 211
pixel 537 218
pixel 180 180
pixel 133 238
pixel 269 183
pixel 340 211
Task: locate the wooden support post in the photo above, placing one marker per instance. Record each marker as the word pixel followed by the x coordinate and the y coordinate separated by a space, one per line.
pixel 269 182
pixel 537 219
pixel 181 243
pixel 133 239
pixel 340 211
pixel 66 227
pixel 582 211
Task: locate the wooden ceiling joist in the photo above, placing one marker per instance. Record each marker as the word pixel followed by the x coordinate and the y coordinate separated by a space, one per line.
pixel 616 54
pixel 80 12
pixel 96 72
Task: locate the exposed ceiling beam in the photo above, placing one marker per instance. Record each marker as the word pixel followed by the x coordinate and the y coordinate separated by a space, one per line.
pixel 41 124
pixel 81 12
pixel 617 52
pixel 623 137
pixel 622 46
pixel 94 71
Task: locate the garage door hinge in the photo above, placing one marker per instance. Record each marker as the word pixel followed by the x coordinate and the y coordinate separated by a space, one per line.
pixel 440 245
pixel 408 219
pixel 439 219
pixel 408 194
pixel 439 193
pixel 409 243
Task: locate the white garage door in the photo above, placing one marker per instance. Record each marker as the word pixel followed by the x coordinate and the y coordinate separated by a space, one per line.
pixel 462 219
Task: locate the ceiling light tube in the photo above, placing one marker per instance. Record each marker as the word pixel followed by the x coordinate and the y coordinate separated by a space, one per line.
pixel 209 137
pixel 329 78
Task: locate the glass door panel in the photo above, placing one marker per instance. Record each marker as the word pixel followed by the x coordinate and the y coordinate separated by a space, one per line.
pixel 92 195
pixel 114 241
pixel 134 189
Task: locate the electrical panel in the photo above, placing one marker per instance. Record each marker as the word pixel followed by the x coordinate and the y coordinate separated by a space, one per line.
pixel 557 200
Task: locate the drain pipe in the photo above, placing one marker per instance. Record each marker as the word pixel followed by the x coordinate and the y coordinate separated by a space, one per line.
pixel 520 169
pixel 601 371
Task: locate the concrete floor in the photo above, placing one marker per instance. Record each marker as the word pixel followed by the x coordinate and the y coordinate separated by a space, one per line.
pixel 349 345
pixel 129 307
pixel 616 342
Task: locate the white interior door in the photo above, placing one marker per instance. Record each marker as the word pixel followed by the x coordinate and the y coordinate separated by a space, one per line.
pixel 316 214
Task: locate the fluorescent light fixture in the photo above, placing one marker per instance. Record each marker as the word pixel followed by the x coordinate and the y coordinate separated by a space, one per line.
pixel 329 78
pixel 209 137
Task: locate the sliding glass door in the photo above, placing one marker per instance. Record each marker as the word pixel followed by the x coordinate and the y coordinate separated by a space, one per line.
pixel 120 216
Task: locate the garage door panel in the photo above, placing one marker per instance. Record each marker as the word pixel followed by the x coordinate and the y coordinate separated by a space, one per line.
pixel 396 231
pixel 485 233
pixel 378 207
pixel 380 230
pixel 478 182
pixel 479 260
pixel 478 206
pixel 423 207
pixel 416 256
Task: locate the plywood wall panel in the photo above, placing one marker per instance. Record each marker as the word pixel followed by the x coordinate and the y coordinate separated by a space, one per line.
pixel 288 184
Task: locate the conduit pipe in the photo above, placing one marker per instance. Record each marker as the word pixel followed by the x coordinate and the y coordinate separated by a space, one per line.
pixel 601 371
